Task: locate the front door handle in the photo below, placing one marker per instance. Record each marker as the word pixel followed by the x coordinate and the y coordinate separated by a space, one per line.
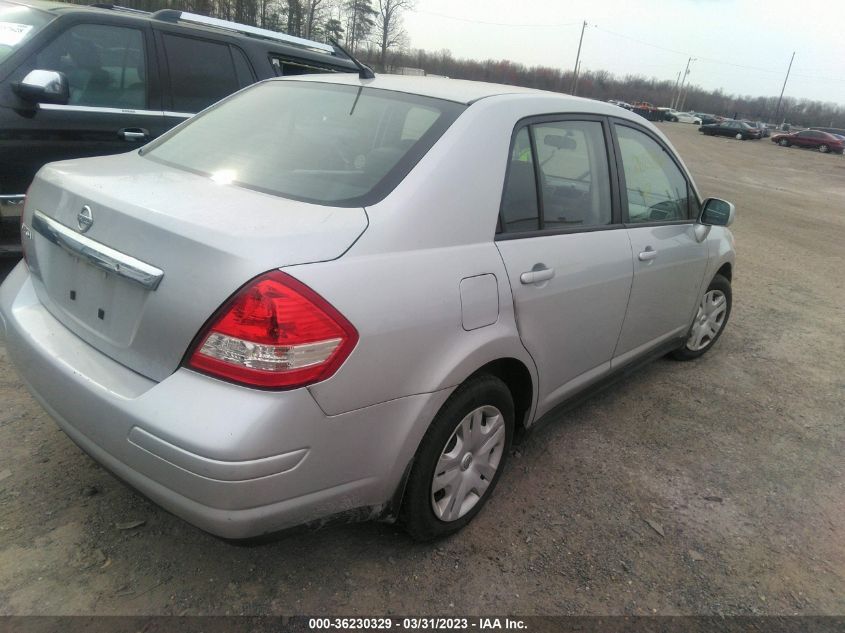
pixel 133 134
pixel 537 276
pixel 648 254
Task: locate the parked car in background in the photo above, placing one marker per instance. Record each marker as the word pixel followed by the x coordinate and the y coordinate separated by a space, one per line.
pixel 811 139
pixel 763 127
pixel 708 119
pixel 738 129
pixel 87 81
pixel 830 130
pixel 227 317
pixel 682 117
pixel 621 104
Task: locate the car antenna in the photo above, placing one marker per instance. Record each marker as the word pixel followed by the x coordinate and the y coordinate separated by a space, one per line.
pixel 364 72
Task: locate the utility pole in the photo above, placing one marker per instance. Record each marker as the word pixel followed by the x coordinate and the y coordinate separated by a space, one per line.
pixel 578 59
pixel 577 77
pixel 675 89
pixel 683 81
pixel 777 110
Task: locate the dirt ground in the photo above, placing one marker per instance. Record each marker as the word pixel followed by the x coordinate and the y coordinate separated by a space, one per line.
pixel 711 487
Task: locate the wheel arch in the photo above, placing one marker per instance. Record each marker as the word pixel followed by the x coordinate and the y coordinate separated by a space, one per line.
pixel 726 271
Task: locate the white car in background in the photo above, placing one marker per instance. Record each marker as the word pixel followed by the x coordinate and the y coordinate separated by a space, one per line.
pixel 682 117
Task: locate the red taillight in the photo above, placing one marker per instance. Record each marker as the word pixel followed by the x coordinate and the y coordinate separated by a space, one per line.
pixel 274 333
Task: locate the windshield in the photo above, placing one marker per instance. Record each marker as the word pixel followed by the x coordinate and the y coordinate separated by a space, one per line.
pixel 317 142
pixel 17 24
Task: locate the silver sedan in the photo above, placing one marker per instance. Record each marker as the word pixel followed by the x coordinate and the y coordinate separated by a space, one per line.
pixel 333 297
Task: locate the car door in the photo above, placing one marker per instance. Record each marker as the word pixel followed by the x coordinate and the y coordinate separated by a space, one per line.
pixel 114 104
pixel 567 255
pixel 659 208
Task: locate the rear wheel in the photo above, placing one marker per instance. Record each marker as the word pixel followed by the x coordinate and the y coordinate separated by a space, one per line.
pixel 460 459
pixel 824 149
pixel 713 313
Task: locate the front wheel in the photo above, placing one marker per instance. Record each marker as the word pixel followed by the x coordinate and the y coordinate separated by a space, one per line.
pixel 460 459
pixel 714 309
pixel 824 149
pixel 739 137
pixel 783 142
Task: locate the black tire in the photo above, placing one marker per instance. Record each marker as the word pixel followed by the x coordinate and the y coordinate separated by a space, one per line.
pixel 674 119
pixel 685 353
pixel 824 149
pixel 783 142
pixel 417 514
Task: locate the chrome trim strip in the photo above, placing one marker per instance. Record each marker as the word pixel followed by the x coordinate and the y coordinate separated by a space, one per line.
pixel 184 115
pixel 96 254
pixel 13 199
pixel 97 109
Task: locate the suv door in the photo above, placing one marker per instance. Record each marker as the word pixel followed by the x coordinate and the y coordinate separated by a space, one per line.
pixel 113 107
pixel 659 208
pixel 568 257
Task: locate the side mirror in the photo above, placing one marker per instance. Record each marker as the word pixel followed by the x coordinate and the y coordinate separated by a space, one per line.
pixel 717 212
pixel 44 86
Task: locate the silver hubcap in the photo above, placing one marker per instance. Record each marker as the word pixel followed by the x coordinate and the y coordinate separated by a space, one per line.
pixel 468 463
pixel 708 321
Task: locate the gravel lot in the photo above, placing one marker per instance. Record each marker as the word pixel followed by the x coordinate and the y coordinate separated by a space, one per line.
pixel 712 487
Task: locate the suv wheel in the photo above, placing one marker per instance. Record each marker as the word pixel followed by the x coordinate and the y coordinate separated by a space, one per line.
pixel 460 459
pixel 710 320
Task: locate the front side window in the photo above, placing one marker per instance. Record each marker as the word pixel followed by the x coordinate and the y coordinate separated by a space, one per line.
pixel 105 65
pixel 656 189
pixel 323 143
pixel 17 24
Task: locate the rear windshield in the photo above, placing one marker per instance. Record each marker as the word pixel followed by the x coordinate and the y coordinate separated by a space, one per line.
pixel 324 143
pixel 17 24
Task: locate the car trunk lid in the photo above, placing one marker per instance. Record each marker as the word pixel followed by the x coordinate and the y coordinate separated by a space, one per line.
pixel 164 250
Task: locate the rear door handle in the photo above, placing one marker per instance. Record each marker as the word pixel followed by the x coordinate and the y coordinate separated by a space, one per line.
pixel 648 254
pixel 537 276
pixel 133 134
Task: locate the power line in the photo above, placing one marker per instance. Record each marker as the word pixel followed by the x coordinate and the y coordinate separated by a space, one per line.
pixel 473 21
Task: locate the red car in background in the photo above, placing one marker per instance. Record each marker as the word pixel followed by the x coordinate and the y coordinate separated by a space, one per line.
pixel 814 139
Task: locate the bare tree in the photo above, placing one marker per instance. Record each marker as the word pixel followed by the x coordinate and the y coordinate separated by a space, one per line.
pixel 389 27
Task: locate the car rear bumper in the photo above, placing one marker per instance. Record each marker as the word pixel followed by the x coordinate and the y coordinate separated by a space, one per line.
pixel 236 462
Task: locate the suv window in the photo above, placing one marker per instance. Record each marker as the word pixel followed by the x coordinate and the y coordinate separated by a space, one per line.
pixel 201 72
pixel 17 24
pixel 284 67
pixel 105 65
pixel 656 188
pixel 574 176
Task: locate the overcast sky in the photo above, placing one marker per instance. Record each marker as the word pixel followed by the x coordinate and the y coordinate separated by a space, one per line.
pixel 742 46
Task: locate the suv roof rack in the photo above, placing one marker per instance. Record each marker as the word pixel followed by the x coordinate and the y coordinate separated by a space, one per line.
pixel 117 7
pixel 174 15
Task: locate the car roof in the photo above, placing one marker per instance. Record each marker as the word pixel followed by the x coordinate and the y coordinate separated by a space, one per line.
pixel 457 90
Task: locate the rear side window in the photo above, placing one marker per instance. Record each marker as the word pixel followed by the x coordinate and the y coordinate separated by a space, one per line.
pixel 105 65
pixel 519 202
pixel 201 72
pixel 657 191
pixel 572 158
pixel 324 143
pixel 568 160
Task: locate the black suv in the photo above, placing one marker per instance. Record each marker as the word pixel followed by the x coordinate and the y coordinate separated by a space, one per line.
pixel 80 81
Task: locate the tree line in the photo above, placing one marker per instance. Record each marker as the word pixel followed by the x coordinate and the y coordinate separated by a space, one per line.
pixel 373 30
